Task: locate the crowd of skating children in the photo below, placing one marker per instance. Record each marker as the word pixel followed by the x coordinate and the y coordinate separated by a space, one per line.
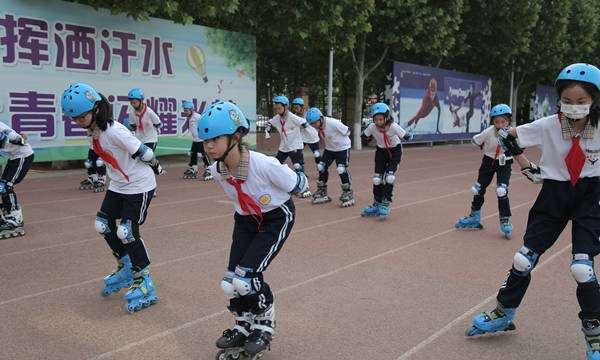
pixel 126 152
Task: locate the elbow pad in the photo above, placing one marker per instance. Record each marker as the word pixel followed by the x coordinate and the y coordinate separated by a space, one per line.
pixel 145 154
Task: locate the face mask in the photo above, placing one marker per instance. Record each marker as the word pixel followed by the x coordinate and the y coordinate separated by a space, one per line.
pixel 575 112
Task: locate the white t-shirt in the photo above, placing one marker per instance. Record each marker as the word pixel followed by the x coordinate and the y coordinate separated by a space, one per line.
pixel 546 134
pixel 269 182
pixel 15 151
pixel 291 138
pixel 394 133
pixel 194 126
pixel 149 119
pixel 336 135
pixel 489 139
pixel 121 144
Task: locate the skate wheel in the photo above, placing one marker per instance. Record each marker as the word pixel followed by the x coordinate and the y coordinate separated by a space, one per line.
pixel 106 292
pixel 507 235
pixel 472 331
pixel 129 308
pixel 221 355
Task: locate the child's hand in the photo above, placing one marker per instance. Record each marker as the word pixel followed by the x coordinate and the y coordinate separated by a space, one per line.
pixel 24 136
pixel 533 173
pixel 509 143
pixel 409 136
pixel 480 146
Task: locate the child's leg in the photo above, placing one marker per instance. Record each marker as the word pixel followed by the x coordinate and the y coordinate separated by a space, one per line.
pixel 194 154
pixel 502 181
pixel 14 171
pixel 586 226
pixel 133 214
pixel 484 178
pixel 314 147
pixel 391 168
pixel 342 159
pixel 282 156
pixel 297 158
pixel 202 152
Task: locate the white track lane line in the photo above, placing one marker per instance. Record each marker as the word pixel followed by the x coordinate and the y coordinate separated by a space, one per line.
pixel 170 331
pixel 469 313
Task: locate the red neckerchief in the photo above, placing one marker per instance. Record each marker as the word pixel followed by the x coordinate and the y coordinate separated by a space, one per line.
pixel 282 126
pixel 106 157
pixel 385 140
pixel 246 201
pixel 141 116
pixel 575 159
pixel 497 153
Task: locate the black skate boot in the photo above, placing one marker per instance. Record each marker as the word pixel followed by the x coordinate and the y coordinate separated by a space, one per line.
pixel 11 224
pixel 347 197
pixel 232 341
pixel 320 196
pixel 86 184
pixel 262 333
pixel 207 176
pixel 191 173
pixel 99 184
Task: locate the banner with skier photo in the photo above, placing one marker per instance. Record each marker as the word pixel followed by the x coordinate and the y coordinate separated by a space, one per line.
pixel 437 104
pixel 544 102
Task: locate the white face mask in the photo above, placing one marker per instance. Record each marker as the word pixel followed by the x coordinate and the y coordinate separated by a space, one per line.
pixel 575 112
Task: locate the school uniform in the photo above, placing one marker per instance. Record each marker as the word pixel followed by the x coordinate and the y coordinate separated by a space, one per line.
pixel 494 161
pixel 264 216
pixel 291 145
pixel 337 147
pixel 132 184
pixel 562 198
pixel 20 158
pixel 387 156
pixel 147 126
pixel 197 143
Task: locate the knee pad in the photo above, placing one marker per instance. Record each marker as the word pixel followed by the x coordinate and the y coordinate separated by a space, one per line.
pixel 476 189
pixel 321 166
pixel 341 169
pixel 390 178
pixel 99 162
pixel 227 286
pixel 317 154
pixel 524 261
pixel 298 167
pixel 501 190
pixel 101 223
pixel 127 230
pixel 87 163
pixel 246 282
pixel 377 179
pixel 582 269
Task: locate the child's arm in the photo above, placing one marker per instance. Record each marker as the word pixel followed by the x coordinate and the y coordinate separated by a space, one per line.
pixel 508 139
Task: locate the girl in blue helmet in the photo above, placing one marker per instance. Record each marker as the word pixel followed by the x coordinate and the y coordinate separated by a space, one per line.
pixel 131 166
pixel 143 120
pixel 569 142
pixel 494 161
pixel 387 158
pixel 197 145
pixel 260 188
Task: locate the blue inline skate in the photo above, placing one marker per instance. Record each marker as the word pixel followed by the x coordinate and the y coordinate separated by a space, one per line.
pixel 591 330
pixel 120 278
pixel 506 226
pixel 141 294
pixel 384 210
pixel 371 210
pixel 471 221
pixel 499 319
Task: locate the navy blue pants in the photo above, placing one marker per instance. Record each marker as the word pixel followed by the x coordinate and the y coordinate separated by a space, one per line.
pixel 94 168
pixel 132 207
pixel 296 156
pixel 556 204
pixel 488 168
pixel 14 171
pixel 255 249
pixel 314 147
pixel 341 158
pixel 198 147
pixel 384 163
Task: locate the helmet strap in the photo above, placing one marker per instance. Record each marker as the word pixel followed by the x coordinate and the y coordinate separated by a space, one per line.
pixel 229 148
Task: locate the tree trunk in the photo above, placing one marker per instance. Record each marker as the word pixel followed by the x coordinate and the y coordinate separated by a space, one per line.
pixel 358 93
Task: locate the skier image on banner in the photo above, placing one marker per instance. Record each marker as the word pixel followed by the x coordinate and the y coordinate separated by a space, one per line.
pixel 471 96
pixel 430 100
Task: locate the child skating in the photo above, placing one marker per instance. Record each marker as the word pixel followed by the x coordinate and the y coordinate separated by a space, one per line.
pixel 260 188
pixel 495 162
pixel 387 158
pixel 132 166
pixel 571 191
pixel 20 157
pixel 310 137
pixel 197 145
pixel 336 136
pixel 96 171
pixel 290 128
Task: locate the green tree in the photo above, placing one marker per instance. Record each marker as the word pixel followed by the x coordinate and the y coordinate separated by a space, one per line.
pixel 236 48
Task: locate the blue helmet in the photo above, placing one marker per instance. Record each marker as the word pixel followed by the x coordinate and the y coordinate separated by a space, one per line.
pixel 313 115
pixel 580 72
pixel 379 108
pixel 281 100
pixel 500 109
pixel 298 101
pixel 188 105
pixel 222 118
pixel 136 94
pixel 126 123
pixel 79 98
